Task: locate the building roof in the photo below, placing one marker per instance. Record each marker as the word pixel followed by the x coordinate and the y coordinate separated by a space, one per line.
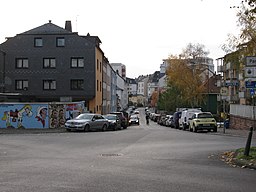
pixel 211 85
pixel 155 77
pixel 48 28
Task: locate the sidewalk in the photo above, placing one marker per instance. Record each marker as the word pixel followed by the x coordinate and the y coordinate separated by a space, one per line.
pixel 31 131
pixel 235 132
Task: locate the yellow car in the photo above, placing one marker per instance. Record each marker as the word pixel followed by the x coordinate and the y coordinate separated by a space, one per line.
pixel 203 121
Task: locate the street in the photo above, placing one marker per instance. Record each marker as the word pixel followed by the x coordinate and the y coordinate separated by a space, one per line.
pixel 140 158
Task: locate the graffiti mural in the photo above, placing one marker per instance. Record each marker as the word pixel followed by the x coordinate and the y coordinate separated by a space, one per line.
pixel 22 116
pixel 74 109
pixel 38 115
pixel 57 115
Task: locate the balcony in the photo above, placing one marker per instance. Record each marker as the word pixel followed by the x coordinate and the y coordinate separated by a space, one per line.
pixel 228 66
pixel 220 68
pixel 233 98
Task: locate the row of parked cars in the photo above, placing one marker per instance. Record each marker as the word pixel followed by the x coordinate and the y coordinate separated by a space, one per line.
pixel 112 121
pixel 91 121
pixel 187 119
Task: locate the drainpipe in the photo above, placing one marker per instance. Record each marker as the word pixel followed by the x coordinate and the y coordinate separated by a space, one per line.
pixel 3 80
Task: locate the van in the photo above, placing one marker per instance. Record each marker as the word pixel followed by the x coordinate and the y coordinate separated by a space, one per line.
pixel 186 117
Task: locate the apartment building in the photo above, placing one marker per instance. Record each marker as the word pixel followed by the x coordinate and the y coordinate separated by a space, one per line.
pixel 51 63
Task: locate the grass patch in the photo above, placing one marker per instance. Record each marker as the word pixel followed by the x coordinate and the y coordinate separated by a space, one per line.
pixel 240 154
pixel 246 160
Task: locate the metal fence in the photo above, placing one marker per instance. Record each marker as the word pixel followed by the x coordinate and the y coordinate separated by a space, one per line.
pixel 246 111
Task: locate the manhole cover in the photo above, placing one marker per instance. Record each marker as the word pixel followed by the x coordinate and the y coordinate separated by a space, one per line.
pixel 111 155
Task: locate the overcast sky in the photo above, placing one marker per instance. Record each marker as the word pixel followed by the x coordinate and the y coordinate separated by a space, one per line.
pixel 137 33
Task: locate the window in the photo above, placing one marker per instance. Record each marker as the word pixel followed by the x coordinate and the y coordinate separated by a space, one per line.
pixel 22 63
pixel 77 62
pixel 60 42
pixel 21 84
pixel 49 84
pixel 77 84
pixel 49 63
pixel 38 42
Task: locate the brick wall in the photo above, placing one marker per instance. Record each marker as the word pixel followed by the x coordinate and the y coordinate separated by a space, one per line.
pixel 237 122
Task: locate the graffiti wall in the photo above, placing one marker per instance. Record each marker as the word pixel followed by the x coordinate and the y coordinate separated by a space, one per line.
pixel 60 113
pixel 24 116
pixel 38 115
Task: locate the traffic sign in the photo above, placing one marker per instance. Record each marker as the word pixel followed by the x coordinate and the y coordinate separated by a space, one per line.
pixel 250 61
pixel 252 92
pixel 250 84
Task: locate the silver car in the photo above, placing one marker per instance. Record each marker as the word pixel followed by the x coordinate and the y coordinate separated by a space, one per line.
pixel 87 122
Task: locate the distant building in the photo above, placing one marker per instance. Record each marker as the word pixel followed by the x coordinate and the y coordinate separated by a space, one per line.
pixel 120 69
pixel 131 86
pixel 142 85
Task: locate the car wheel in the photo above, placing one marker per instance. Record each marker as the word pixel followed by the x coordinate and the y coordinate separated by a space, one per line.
pixel 104 127
pixel 215 129
pixel 87 128
pixel 194 128
pixel 115 128
pixel 68 130
pixel 190 129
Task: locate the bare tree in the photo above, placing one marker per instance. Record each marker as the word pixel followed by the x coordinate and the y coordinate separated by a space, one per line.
pixel 193 51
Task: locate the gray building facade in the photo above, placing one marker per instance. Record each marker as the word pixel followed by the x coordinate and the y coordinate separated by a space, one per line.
pixel 49 63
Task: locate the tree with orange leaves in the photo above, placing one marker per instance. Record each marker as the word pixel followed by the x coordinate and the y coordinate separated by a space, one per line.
pixel 185 76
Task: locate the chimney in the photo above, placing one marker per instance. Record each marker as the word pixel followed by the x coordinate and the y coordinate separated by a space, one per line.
pixel 68 26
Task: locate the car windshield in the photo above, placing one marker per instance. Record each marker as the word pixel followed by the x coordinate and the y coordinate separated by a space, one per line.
pixel 134 117
pixel 205 115
pixel 110 117
pixel 85 116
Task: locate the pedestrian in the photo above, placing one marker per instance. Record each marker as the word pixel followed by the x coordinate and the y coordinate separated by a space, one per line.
pixel 147 118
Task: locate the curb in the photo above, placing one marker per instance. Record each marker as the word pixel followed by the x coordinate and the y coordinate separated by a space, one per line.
pixel 32 131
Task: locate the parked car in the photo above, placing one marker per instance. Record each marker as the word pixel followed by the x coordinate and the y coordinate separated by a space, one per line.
pixel 156 117
pixel 136 112
pixel 114 122
pixel 175 120
pixel 161 119
pixel 186 117
pixel 87 122
pixel 134 119
pixel 203 121
pixel 123 116
pixel 169 121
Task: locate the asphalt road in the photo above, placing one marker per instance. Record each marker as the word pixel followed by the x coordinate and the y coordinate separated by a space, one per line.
pixel 139 159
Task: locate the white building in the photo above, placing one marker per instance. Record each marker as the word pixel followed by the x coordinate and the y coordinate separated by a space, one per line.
pixel 120 69
pixel 122 94
pixel 131 86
